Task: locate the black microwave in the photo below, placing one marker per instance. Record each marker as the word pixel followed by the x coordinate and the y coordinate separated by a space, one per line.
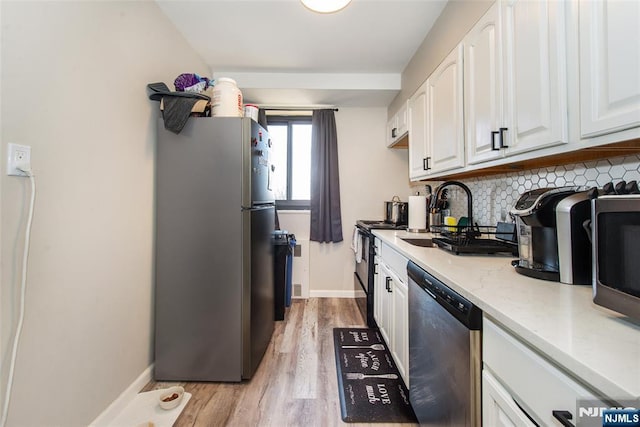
pixel 616 253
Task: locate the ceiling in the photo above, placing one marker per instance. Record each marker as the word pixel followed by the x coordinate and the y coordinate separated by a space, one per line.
pixel 282 54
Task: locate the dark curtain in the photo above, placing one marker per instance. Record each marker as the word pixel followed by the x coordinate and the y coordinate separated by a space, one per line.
pixel 326 222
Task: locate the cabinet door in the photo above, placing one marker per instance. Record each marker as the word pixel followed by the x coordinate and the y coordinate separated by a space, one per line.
pixel 609 66
pixel 534 44
pixel 386 303
pixel 392 129
pixel 540 386
pixel 403 119
pixel 400 349
pixel 418 134
pixel 483 94
pixel 445 114
pixel 498 407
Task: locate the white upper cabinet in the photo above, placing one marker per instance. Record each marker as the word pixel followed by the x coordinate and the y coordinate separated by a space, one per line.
pixel 609 66
pixel 418 133
pixel 516 79
pixel 398 125
pixel 483 91
pixel 445 115
pixel 392 128
pixel 534 46
pixel 403 120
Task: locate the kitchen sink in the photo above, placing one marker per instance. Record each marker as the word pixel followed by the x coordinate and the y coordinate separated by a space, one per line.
pixel 427 243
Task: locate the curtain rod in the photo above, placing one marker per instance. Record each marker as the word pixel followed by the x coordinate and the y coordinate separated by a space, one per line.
pixel 296 108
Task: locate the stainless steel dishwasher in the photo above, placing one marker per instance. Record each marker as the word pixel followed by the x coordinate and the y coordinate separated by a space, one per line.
pixel 444 353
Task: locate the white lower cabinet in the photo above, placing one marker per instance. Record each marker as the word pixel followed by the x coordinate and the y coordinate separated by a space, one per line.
pixel 391 306
pixel 520 386
pixel 400 349
pixel 498 407
pixel 385 302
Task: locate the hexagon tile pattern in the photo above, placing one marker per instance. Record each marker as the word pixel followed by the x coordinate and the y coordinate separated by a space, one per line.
pixel 495 195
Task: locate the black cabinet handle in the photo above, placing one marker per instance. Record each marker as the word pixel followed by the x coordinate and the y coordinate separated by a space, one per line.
pixel 425 163
pixel 502 144
pixel 394 132
pixel 387 285
pixel 563 417
pixel 493 141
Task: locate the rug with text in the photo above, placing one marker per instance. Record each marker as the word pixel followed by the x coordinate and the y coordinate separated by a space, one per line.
pixel 371 388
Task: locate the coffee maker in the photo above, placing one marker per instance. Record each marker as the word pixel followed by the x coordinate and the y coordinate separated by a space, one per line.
pixel 552 242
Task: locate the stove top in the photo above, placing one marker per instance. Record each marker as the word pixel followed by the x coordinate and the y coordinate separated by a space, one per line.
pixel 379 224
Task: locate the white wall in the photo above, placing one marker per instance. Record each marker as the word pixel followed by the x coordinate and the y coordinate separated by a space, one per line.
pixel 370 173
pixel 73 87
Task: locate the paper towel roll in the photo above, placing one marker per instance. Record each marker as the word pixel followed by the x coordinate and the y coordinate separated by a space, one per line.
pixel 417 213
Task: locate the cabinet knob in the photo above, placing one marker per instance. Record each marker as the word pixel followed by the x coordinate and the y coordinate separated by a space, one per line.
pixel 425 163
pixel 563 417
pixel 394 132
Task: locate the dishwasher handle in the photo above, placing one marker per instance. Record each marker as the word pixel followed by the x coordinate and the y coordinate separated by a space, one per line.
pixel 430 293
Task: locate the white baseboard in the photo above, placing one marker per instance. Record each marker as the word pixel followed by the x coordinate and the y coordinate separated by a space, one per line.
pixel 337 294
pixel 116 407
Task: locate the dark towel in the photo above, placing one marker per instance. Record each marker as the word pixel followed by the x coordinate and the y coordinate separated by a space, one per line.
pixel 176 112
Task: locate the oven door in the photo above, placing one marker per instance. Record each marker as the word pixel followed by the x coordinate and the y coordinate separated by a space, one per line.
pixel 363 278
pixel 362 267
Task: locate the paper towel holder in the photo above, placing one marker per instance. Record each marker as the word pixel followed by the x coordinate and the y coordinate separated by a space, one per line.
pixel 418 230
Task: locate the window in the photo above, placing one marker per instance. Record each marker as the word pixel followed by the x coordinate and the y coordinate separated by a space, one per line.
pixel 291 156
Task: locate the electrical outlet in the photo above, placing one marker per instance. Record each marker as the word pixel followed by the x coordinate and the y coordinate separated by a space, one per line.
pixel 18 155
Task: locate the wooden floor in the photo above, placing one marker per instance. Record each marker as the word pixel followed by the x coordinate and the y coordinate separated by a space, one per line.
pixel 296 383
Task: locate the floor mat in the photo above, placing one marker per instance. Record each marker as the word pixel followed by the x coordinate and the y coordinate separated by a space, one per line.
pixel 371 388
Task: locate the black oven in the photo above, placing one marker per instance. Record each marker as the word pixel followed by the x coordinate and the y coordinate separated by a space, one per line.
pixel 365 268
pixel 364 274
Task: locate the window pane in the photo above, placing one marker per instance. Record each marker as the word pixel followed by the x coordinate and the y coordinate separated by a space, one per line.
pixel 279 160
pixel 301 162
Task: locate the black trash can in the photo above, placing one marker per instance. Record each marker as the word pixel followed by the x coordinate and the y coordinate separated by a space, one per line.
pixel 283 244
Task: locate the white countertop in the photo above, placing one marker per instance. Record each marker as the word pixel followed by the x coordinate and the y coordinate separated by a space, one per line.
pixel 598 346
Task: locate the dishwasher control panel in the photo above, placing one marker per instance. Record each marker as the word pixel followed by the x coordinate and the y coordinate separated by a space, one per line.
pixel 461 308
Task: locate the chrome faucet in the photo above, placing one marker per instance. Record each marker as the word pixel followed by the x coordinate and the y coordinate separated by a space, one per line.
pixel 466 190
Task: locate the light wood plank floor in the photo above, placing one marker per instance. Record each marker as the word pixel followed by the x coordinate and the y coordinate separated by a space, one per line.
pixel 296 383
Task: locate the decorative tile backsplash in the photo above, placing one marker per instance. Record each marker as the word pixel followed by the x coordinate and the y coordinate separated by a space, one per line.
pixel 495 195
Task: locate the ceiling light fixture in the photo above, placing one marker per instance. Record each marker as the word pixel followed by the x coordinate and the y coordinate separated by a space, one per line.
pixel 325 6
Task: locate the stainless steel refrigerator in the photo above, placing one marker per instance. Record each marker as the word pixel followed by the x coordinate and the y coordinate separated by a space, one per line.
pixel 215 217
